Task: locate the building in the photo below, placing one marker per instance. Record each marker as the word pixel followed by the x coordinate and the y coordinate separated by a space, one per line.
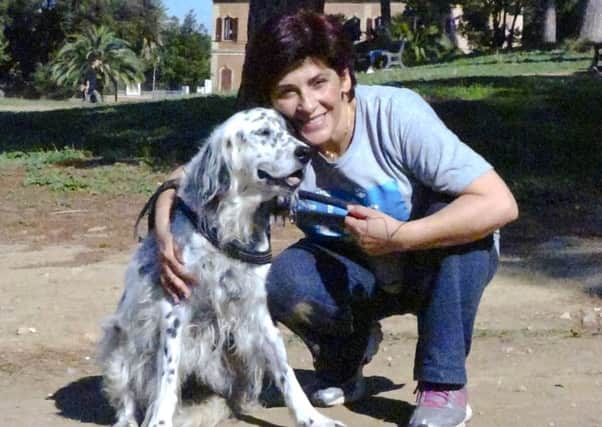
pixel 230 34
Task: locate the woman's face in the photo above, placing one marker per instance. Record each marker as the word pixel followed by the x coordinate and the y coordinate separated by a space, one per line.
pixel 313 97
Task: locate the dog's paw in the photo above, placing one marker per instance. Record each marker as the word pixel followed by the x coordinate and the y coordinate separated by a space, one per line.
pixel 319 420
pixel 126 423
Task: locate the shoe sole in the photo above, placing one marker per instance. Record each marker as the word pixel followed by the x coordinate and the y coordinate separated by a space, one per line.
pixel 468 416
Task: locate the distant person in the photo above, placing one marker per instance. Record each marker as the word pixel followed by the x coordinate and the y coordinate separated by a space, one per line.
pixel 351 27
pixel 379 38
pixel 90 86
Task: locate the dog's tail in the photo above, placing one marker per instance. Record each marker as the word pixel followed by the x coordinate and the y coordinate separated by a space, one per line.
pixel 207 413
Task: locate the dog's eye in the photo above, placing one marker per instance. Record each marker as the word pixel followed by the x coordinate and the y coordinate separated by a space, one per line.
pixel 264 132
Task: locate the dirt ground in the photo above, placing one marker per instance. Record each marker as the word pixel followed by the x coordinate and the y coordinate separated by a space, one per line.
pixel 535 360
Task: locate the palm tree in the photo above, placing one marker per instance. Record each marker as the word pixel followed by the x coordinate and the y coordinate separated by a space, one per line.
pixel 151 54
pixel 119 64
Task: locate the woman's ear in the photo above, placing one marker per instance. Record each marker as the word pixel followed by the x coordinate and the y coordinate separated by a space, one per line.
pixel 346 83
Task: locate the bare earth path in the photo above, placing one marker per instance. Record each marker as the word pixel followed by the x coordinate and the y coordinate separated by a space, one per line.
pixel 536 359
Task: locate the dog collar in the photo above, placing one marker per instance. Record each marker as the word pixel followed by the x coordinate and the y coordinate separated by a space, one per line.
pixel 233 249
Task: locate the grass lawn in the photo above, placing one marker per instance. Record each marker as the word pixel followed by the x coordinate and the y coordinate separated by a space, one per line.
pixel 536 116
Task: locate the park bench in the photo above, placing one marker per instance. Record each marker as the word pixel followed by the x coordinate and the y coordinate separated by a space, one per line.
pixel 379 55
pixel 394 54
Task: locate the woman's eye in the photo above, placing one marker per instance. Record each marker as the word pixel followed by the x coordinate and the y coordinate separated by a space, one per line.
pixel 284 93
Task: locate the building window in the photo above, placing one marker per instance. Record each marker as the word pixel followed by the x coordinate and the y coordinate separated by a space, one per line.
pixel 230 28
pixel 218 30
pixel 225 84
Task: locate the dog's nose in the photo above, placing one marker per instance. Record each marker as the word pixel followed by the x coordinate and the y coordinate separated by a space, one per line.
pixel 302 152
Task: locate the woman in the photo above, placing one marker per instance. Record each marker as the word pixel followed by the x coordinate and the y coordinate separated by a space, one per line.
pixel 418 235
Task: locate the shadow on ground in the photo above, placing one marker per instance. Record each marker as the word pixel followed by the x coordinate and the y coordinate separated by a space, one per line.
pixel 82 400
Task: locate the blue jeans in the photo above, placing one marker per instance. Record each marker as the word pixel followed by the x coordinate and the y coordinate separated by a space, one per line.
pixel 330 298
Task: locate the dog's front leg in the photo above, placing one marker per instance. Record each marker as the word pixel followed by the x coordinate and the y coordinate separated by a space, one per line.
pixel 302 410
pixel 173 320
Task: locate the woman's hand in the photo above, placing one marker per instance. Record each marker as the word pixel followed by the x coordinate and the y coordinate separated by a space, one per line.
pixel 374 231
pixel 175 280
pixel 173 275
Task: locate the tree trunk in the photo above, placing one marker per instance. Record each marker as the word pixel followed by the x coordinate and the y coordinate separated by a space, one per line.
pixel 549 22
pixel 591 28
pixel 517 8
pixel 385 14
pixel 259 12
pixel 115 88
pixel 154 76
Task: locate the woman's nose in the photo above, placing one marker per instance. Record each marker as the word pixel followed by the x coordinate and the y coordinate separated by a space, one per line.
pixel 307 103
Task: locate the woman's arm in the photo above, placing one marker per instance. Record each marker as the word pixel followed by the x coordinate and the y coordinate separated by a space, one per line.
pixel 174 278
pixel 484 206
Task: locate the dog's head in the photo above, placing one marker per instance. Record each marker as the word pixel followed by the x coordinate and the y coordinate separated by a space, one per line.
pixel 253 153
pixel 264 156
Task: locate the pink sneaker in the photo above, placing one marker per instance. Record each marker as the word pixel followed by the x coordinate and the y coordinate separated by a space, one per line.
pixel 441 408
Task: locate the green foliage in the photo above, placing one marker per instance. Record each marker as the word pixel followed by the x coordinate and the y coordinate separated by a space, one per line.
pixel 485 22
pixel 186 53
pixel 532 128
pixel 68 170
pixel 568 21
pixel 33 31
pixel 165 131
pixel 424 43
pixel 119 63
pixel 46 86
pixel 541 132
pixel 137 21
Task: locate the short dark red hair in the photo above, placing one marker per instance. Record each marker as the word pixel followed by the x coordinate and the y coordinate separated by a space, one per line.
pixel 284 41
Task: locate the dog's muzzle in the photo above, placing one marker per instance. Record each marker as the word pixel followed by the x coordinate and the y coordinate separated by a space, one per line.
pixel 292 181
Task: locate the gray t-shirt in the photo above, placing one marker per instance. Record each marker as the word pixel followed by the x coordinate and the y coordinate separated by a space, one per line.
pixel 400 153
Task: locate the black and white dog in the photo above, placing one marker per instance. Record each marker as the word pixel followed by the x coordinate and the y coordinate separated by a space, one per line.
pixel 222 337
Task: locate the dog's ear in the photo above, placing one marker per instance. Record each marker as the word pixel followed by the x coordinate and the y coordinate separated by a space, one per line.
pixel 211 172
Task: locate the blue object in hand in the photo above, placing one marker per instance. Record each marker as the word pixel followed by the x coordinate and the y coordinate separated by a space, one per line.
pixel 318 209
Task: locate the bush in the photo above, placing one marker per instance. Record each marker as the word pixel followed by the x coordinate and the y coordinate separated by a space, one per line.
pixel 45 86
pixel 425 43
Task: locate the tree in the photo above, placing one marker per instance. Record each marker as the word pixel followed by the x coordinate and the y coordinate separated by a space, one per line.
pixel 119 63
pixel 385 13
pixel 259 12
pixel 485 22
pixel 549 22
pixel 33 32
pixel 591 30
pixel 151 53
pixel 186 52
pixel 137 21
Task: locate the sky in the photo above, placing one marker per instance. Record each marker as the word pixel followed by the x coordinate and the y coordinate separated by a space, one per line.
pixel 201 8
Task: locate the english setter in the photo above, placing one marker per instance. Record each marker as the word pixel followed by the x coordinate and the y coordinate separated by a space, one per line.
pixel 222 336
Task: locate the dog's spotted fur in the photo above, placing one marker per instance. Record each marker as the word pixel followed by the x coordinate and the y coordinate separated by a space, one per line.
pixel 222 336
